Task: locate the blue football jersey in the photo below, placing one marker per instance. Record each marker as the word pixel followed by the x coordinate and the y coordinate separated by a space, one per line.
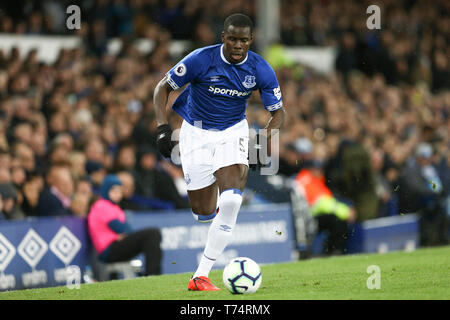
pixel 218 91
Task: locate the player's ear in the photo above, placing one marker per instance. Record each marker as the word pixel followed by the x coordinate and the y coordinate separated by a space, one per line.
pixel 223 36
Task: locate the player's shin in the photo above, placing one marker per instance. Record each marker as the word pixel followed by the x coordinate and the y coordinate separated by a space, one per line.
pixel 221 230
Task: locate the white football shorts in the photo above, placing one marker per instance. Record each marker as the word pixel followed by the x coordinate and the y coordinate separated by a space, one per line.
pixel 203 152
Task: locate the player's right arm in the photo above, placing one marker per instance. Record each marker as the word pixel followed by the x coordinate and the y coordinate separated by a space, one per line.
pixel 160 98
pixel 182 73
pixel 164 132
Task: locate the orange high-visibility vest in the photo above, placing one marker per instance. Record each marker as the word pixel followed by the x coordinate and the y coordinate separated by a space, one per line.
pixel 311 186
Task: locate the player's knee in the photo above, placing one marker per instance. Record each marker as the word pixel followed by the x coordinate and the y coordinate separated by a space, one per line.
pixel 231 196
pixel 203 209
pixel 230 200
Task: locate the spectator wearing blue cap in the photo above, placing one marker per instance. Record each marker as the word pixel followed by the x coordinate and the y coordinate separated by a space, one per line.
pixel 419 181
pixel 113 238
pixel 421 191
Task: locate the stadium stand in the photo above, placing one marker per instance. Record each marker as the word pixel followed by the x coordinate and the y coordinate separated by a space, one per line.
pixel 389 95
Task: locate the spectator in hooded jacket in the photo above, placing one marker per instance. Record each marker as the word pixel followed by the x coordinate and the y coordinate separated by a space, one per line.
pixel 112 236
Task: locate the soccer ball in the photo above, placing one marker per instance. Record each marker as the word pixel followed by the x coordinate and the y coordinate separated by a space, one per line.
pixel 242 275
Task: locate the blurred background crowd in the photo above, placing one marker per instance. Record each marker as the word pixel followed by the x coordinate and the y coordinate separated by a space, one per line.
pixel 378 126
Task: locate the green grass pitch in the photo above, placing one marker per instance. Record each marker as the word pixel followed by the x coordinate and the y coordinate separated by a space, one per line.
pixel 421 274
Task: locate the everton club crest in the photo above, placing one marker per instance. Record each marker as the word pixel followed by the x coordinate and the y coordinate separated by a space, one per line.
pixel 249 81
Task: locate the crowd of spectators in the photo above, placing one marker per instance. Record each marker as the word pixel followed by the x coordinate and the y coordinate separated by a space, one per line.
pixel 64 126
pixel 411 45
pixel 200 21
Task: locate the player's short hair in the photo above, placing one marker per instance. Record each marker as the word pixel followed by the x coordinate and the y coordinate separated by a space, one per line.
pixel 238 20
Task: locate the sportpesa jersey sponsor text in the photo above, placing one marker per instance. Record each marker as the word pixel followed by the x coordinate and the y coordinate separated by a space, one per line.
pixel 228 92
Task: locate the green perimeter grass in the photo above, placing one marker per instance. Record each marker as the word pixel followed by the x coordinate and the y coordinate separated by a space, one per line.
pixel 421 274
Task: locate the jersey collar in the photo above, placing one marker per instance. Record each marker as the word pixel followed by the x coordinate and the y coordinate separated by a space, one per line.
pixel 226 61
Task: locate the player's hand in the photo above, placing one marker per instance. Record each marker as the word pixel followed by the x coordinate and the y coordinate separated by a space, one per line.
pixel 164 140
pixel 254 152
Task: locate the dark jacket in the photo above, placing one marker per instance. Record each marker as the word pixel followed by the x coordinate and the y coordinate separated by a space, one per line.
pixel 50 205
pixel 158 184
pixel 415 192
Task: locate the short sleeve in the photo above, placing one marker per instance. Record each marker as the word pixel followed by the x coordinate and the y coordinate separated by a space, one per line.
pixel 186 70
pixel 269 88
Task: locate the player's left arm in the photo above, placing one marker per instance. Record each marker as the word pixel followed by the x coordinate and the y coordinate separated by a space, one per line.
pixel 270 94
pixel 272 129
pixel 271 97
pixel 276 121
